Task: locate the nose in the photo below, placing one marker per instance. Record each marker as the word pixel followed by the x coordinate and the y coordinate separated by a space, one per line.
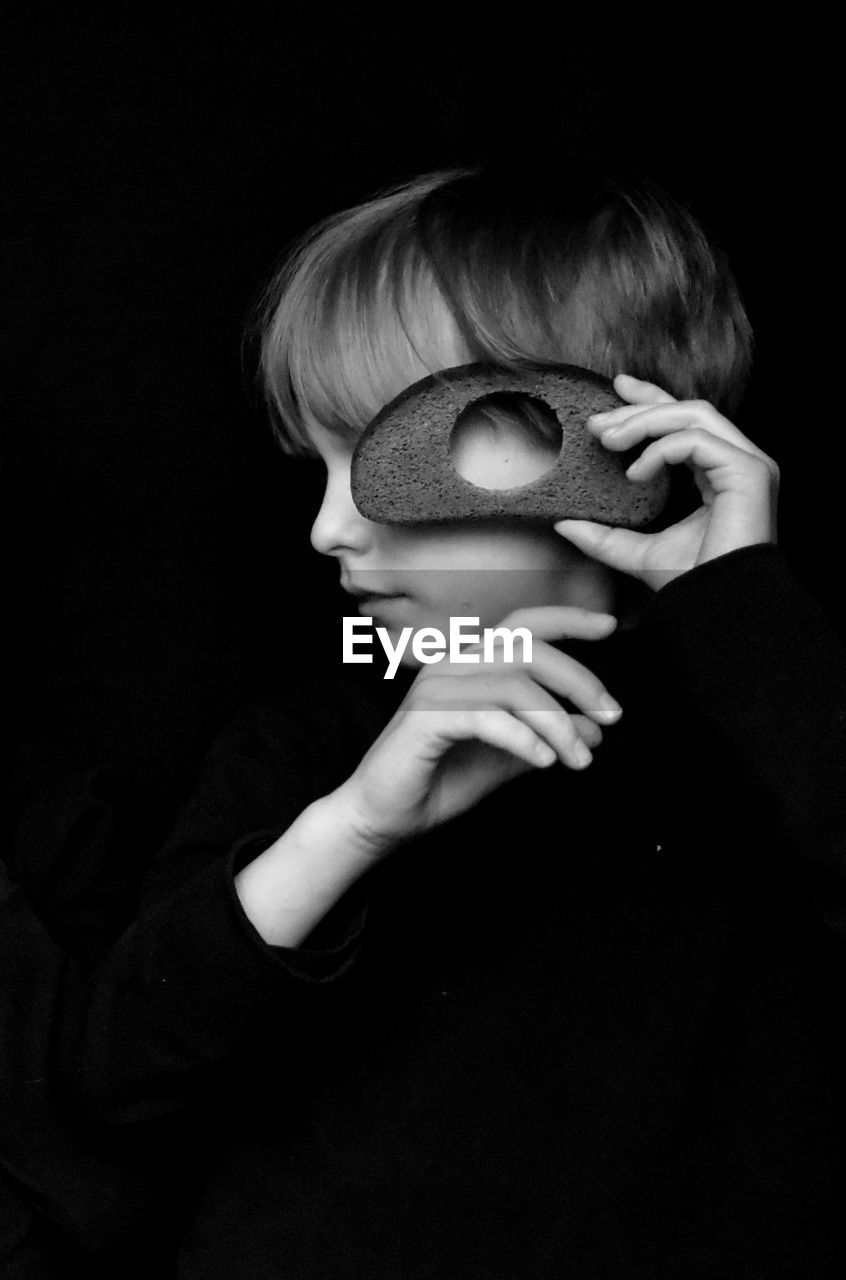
pixel 339 526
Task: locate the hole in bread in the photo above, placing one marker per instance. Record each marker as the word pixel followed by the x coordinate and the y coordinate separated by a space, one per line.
pixel 505 440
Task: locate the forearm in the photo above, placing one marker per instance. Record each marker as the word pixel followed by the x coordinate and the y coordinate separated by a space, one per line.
pixel 224 955
pixel 758 662
pixel 287 890
pixel 69 1175
pixel 220 947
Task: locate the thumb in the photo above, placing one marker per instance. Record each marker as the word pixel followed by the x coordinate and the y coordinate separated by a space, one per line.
pixel 621 549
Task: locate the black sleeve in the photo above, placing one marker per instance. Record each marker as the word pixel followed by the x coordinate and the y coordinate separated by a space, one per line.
pixel 764 672
pixel 131 1025
pixel 57 1168
pixel 192 980
pixel 69 879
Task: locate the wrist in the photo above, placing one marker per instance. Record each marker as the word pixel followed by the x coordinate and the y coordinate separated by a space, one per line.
pixel 344 808
pixel 291 886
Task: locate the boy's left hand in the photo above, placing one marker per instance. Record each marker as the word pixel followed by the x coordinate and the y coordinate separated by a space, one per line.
pixel 737 481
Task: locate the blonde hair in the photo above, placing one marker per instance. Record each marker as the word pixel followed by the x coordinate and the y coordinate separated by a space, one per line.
pixel 353 317
pixel 462 265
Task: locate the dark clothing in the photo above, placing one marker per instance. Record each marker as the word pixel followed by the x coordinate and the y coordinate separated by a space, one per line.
pixel 72 1196
pixel 583 1030
pixel 590 1028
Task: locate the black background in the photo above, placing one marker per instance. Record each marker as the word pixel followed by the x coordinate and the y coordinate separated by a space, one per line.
pixel 156 562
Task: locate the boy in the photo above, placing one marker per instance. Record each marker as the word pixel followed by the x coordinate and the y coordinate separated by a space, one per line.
pixel 443 1009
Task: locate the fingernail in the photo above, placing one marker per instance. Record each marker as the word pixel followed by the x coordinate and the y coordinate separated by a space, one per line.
pixel 545 753
pixel 598 417
pixel 609 707
pixel 581 755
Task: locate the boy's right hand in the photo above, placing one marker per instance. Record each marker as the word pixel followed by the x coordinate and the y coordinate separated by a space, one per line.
pixel 462 731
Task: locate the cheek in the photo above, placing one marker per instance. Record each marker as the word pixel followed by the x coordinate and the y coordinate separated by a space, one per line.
pixel 477 571
pixel 483 546
pixel 488 592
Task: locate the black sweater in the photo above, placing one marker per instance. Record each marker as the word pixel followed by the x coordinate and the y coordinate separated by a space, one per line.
pixel 588 1029
pixel 71 1195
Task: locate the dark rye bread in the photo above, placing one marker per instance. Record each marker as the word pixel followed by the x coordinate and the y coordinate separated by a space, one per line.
pixel 402 472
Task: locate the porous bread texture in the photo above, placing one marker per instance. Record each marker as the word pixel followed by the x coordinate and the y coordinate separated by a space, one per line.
pixel 402 471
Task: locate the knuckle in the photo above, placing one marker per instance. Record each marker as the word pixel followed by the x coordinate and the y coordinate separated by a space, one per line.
pixel 516 618
pixel 554 715
pixel 567 733
pixel 762 467
pixel 427 692
pixel 497 644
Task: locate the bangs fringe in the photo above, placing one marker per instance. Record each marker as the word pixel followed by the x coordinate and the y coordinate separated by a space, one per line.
pixel 352 319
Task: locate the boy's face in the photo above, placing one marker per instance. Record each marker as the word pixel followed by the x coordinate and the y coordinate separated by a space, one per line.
pixel 421 575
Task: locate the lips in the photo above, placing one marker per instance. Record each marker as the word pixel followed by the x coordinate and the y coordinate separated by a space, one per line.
pixel 377 603
pixel 360 592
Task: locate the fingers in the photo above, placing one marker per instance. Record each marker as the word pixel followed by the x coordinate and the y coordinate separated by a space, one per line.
pixel 589 732
pixel 737 482
pixel 626 427
pixel 570 679
pixel 548 667
pixel 553 724
pixel 526 701
pixel 524 691
pixel 499 728
pixel 699 448
pixel 636 391
pixel 561 622
pixel 621 549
